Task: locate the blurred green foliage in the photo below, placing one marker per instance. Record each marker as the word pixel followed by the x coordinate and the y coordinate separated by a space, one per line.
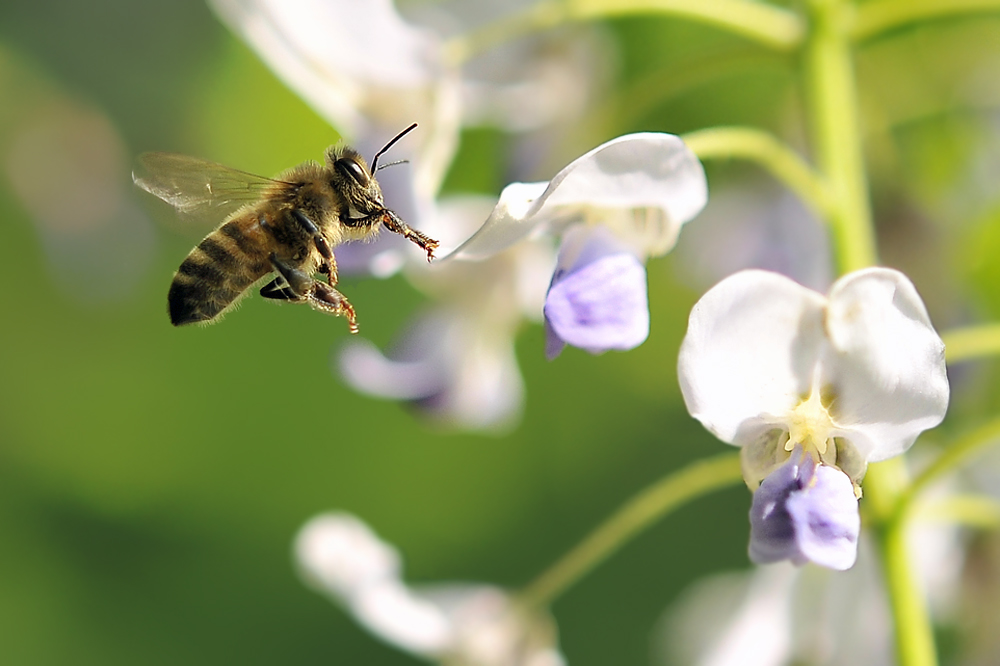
pixel 152 479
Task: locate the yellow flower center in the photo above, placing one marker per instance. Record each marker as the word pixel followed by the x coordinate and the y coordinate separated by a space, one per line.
pixel 810 426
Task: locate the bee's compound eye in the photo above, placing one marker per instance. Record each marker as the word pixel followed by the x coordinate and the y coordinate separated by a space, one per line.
pixel 354 170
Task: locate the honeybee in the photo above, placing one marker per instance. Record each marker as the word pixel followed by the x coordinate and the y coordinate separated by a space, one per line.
pixel 288 225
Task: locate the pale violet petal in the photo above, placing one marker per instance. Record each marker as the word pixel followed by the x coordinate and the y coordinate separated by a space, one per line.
pixel 805 512
pixel 749 353
pixel 649 175
pixel 418 366
pixel 597 300
pixel 886 363
pixel 554 345
pixel 450 369
pixel 340 555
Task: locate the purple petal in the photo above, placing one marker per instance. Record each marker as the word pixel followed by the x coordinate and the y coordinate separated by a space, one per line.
pixel 599 302
pixel 805 512
pixel 553 343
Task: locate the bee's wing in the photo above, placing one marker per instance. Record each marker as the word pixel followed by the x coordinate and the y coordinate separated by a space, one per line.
pixel 198 187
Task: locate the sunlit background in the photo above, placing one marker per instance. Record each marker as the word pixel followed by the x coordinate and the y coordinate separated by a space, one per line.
pixel 152 479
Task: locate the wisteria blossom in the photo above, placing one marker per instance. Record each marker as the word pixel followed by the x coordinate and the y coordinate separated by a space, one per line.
pixel 463 624
pixel 812 388
pixel 612 208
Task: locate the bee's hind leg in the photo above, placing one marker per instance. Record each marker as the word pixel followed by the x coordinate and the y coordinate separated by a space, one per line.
pixel 296 286
pixel 319 240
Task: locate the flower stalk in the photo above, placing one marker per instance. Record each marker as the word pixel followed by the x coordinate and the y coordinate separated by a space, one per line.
pixel 773 27
pixel 650 505
pixel 769 152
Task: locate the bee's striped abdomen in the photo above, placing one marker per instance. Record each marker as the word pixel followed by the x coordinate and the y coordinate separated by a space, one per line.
pixel 216 274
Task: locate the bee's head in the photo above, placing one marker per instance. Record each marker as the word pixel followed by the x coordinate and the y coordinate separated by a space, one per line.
pixel 353 180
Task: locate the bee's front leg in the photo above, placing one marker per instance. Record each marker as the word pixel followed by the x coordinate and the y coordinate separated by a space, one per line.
pixel 396 225
pixel 297 286
pixel 319 240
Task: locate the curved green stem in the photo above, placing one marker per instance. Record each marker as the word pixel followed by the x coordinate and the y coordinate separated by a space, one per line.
pixel 765 24
pixel 770 26
pixel 765 149
pixel 880 16
pixel 978 511
pixel 954 456
pixel 640 512
pixel 963 344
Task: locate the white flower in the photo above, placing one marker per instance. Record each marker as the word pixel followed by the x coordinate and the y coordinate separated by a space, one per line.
pixel 779 614
pixel 614 207
pixel 805 382
pixel 460 624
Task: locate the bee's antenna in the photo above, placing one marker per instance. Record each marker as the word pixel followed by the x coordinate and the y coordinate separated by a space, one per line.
pixel 384 166
pixel 389 145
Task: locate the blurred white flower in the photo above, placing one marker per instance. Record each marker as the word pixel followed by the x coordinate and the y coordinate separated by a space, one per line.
pixel 363 68
pixel 456 361
pixel 458 624
pixel 812 388
pixel 67 165
pixel 371 71
pixel 779 614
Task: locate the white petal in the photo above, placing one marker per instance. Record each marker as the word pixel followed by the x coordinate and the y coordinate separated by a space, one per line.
pixel 334 52
pixel 652 176
pixel 340 555
pixel 398 616
pixel 511 220
pixel 450 366
pixel 489 630
pixel 886 363
pixel 360 66
pixel 749 353
pixel 734 619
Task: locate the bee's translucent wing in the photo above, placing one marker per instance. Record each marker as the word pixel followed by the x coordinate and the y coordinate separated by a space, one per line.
pixel 198 187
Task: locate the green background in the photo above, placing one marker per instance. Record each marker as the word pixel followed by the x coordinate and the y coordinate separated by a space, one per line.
pixel 152 478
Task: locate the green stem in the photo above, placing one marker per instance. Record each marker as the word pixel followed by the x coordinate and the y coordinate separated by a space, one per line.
pixel 833 107
pixel 763 148
pixel 978 511
pixel 880 16
pixel 640 512
pixel 914 636
pixel 771 26
pixel 836 131
pixel 953 457
pixel 768 25
pixel 964 344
